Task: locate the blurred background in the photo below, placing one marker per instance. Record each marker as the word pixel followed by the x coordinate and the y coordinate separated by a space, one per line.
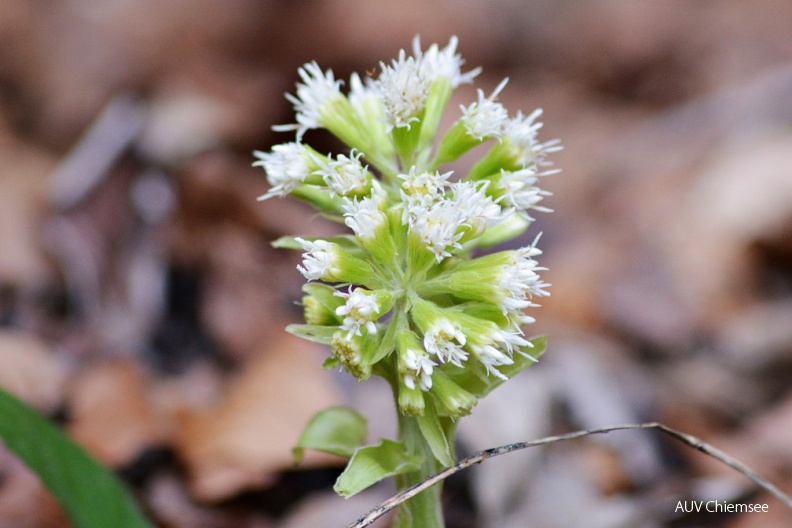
pixel 142 307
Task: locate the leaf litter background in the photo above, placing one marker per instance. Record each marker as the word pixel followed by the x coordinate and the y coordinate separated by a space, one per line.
pixel 142 308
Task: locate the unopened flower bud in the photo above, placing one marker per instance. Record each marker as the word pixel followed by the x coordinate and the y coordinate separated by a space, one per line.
pixel 455 400
pixel 350 352
pixel 411 400
pixel 316 313
pixel 329 262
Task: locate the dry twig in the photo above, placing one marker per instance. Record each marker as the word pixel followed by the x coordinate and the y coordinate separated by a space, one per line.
pixel 481 456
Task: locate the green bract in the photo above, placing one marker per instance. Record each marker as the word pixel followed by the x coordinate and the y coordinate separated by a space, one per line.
pixel 401 297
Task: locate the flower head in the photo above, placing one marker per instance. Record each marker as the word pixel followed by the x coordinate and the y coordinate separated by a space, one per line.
pixel 446 62
pixel 419 367
pixel 365 216
pixel 520 281
pixel 517 189
pixel 403 90
pixel 320 259
pixel 522 133
pixel 491 357
pixel 360 310
pixel 446 341
pixel 286 167
pixel 363 94
pixel 345 175
pixel 329 262
pixel 317 90
pixel 424 184
pixel 350 352
pixel 486 118
pixel 437 225
pixel 405 294
pixel 478 210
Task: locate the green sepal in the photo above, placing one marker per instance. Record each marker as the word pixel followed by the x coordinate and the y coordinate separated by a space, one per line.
pixel 456 141
pixel 370 350
pixel 320 304
pixel 331 363
pixel 388 342
pixel 410 401
pixel 323 200
pixel 514 226
pixel 453 399
pixel 439 94
pixel 371 118
pixel 397 230
pixel 290 242
pixel 504 155
pixel 406 139
pixel 324 294
pixel 315 313
pixel 340 119
pixel 484 310
pixel 371 464
pixel 346 242
pixel 335 430
pixel 315 333
pixel 419 257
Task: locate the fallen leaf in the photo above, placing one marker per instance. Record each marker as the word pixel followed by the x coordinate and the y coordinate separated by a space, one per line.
pixel 30 371
pixel 242 441
pixel 111 415
pixel 24 502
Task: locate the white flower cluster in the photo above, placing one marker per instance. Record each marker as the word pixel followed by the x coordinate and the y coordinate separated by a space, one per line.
pixel 358 311
pixel 285 167
pixel 486 118
pixel 414 291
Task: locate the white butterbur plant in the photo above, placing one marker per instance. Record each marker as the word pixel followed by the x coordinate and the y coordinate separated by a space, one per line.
pixel 403 296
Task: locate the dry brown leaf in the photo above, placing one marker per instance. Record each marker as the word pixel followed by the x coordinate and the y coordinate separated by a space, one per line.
pixel 22 204
pixel 30 371
pixel 111 415
pixel 496 421
pixel 770 432
pixel 724 213
pixel 170 505
pixel 240 293
pixel 758 338
pixel 248 436
pixel 24 502
pixel 328 509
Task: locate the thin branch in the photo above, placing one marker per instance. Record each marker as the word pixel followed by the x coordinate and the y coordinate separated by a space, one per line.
pixel 481 456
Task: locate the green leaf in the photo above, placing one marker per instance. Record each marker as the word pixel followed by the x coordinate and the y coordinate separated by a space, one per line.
pixel 324 294
pixel 388 343
pixel 91 496
pixel 315 333
pixel 371 464
pixel 435 435
pixel 449 426
pixel 288 242
pixel 479 384
pixel 336 430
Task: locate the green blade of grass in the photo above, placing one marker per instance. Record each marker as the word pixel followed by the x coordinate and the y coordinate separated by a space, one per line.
pixel 91 496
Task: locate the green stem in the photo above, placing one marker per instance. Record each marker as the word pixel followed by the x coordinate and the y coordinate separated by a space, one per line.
pixel 424 510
